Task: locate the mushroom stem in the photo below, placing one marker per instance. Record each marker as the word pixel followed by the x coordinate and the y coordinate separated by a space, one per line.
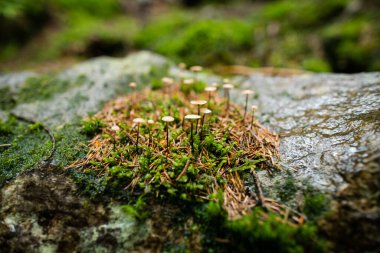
pixel 167 136
pixel 199 113
pixel 192 138
pixel 138 135
pixel 228 100
pixel 246 106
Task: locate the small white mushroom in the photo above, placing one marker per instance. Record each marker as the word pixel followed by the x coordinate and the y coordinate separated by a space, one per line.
pixel 204 112
pixel 188 81
pixel 138 121
pixel 196 68
pixel 192 118
pixel 246 93
pixel 115 128
pixel 167 119
pixel 210 90
pixel 227 87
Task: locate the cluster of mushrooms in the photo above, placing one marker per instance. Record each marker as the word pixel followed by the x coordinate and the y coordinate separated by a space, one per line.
pixel 197 119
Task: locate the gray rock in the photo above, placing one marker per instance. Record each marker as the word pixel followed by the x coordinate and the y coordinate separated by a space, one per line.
pixel 105 78
pixel 330 122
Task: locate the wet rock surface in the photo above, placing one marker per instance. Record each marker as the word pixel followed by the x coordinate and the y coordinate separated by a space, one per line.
pixel 329 123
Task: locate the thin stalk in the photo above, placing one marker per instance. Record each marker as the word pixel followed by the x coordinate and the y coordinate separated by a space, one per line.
pixel 138 135
pixel 199 113
pixel 191 138
pixel 167 137
pixel 228 100
pixel 246 106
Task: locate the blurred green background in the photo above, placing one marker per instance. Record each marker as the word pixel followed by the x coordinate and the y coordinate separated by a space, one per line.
pixel 315 35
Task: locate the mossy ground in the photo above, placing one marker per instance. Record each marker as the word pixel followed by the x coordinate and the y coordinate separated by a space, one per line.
pixel 203 183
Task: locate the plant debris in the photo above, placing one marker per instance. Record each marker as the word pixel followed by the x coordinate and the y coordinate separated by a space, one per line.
pixel 201 161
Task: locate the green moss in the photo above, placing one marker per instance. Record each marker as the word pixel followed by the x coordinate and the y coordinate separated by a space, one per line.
pixel 44 87
pixel 303 14
pixel 316 204
pixel 114 34
pixel 202 42
pixel 287 188
pixel 29 145
pixel 316 65
pixel 347 45
pixel 7 99
pixel 92 126
pixel 253 234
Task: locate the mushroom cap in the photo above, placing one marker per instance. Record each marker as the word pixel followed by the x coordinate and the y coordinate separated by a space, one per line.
pixel 138 120
pixel 226 80
pixel 192 117
pixel 167 80
pixel 188 81
pixel 150 121
pixel 254 108
pixel 228 86
pixel 182 65
pixel 210 88
pixel 206 111
pixel 132 84
pixel 198 102
pixel 247 92
pixel 168 119
pixel 115 128
pixel 196 68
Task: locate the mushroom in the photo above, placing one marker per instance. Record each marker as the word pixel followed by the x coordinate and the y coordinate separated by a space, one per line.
pixel 188 81
pixel 114 129
pixel 182 66
pixel 167 83
pixel 167 119
pixel 210 89
pixel 133 86
pixel 204 112
pixel 138 121
pixel 254 109
pixel 196 69
pixel 227 87
pixel 198 103
pixel 246 93
pixel 192 118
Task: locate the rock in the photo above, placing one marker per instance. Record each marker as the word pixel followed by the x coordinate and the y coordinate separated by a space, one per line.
pixel 104 78
pixel 329 122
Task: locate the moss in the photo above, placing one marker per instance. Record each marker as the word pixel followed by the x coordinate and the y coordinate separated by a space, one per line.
pixel 44 87
pixel 348 46
pixel 71 145
pixel 316 204
pixel 202 42
pixel 29 144
pixel 287 188
pixel 303 14
pixel 7 99
pixel 84 31
pixel 316 65
pixel 92 126
pixel 253 234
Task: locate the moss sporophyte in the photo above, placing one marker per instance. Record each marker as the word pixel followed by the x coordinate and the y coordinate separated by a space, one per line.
pixel 150 152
